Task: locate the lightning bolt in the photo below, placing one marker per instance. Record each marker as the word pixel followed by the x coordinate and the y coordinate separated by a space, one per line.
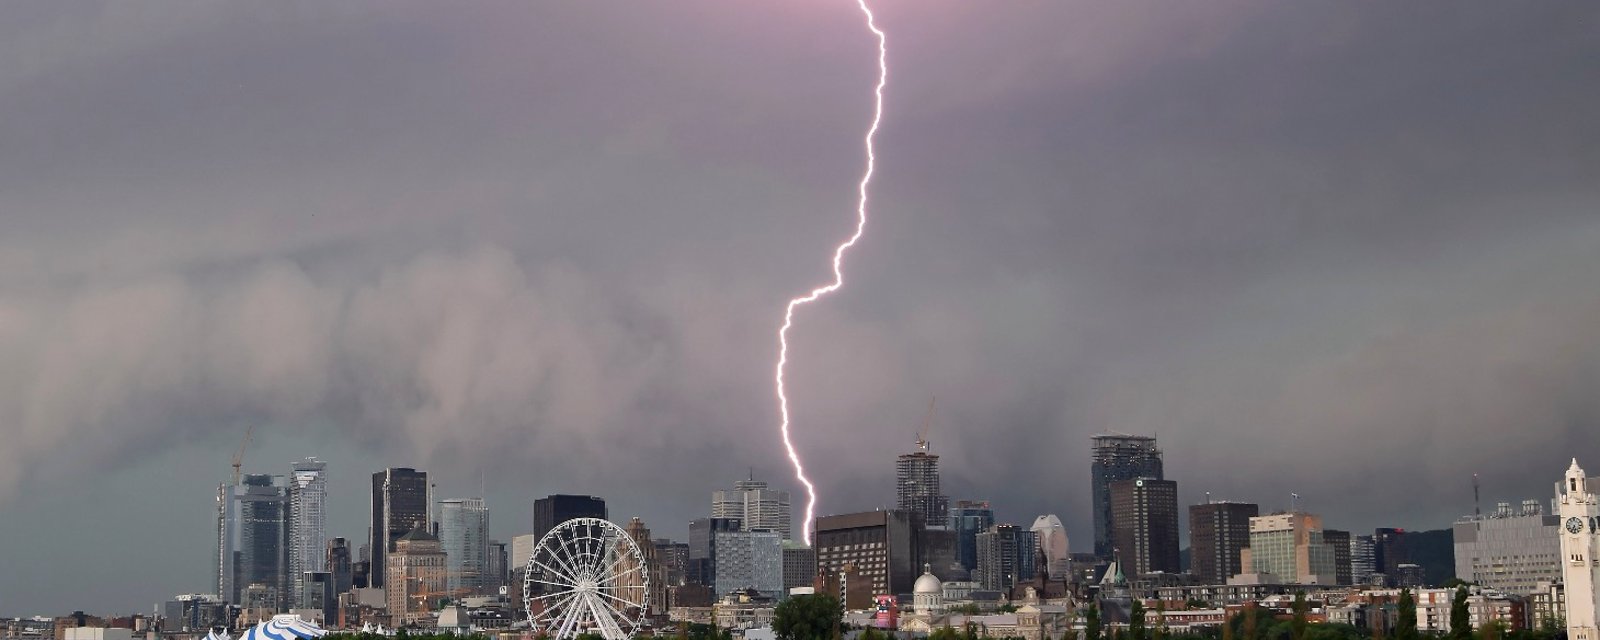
pixel 838 273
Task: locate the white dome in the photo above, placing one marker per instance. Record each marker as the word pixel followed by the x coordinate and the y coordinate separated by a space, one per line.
pixel 928 584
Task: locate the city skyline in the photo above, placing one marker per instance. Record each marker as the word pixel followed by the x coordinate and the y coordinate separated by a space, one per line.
pixel 534 249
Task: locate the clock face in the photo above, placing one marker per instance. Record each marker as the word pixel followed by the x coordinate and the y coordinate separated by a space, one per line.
pixel 1574 525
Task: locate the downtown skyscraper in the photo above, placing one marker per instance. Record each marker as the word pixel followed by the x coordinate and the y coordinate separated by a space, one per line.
pixel 1118 457
pixel 308 533
pixel 1218 531
pixel 757 507
pixel 464 536
pixel 1144 517
pixel 252 533
pixel 968 519
pixel 916 478
pixel 400 503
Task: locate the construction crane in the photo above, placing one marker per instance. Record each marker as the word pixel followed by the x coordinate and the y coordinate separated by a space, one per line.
pixel 922 434
pixel 238 458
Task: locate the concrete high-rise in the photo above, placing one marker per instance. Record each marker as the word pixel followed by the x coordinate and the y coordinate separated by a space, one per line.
pixel 917 486
pixel 968 519
pixel 464 537
pixel 400 503
pixel 799 565
pixel 550 511
pixel 1006 555
pixel 1289 548
pixel 308 509
pixel 879 545
pixel 252 538
pixel 1054 546
pixel 756 506
pixel 1144 515
pixel 1117 457
pixel 1218 531
pixel 1516 552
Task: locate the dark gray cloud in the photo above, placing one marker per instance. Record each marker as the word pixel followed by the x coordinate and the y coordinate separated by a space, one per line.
pixel 1346 250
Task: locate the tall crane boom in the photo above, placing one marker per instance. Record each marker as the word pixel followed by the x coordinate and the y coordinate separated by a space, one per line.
pixel 238 458
pixel 922 434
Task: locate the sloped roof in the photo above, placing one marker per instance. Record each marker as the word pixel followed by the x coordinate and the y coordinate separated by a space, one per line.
pixel 418 534
pixel 283 627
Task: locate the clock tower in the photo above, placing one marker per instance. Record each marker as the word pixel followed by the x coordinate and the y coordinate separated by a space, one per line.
pixel 1580 551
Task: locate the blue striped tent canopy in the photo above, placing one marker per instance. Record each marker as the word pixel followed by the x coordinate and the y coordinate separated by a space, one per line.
pixel 284 627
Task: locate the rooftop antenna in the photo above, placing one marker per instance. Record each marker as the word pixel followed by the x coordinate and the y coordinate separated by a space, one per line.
pixel 1475 508
pixel 1294 503
pixel 922 435
pixel 1208 497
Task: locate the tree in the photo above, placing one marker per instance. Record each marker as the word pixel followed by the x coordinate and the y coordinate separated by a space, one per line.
pixel 1460 617
pixel 1136 621
pixel 1091 622
pixel 1405 628
pixel 1298 627
pixel 590 636
pixel 945 633
pixel 807 617
pixel 871 633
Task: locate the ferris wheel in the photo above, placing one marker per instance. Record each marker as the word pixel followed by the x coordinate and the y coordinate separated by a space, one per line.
pixel 586 576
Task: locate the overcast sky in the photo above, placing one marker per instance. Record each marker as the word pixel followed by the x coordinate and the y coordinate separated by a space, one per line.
pixel 1350 250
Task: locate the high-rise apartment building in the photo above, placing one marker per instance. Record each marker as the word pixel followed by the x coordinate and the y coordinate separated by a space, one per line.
pixel 400 503
pixel 1054 546
pixel 758 507
pixel 464 536
pixel 252 539
pixel 1006 556
pixel 1144 517
pixel 1515 552
pixel 917 486
pixel 879 545
pixel 968 518
pixel 749 560
pixel 1118 457
pixel 308 508
pixel 1218 531
pixel 1290 547
pixel 550 511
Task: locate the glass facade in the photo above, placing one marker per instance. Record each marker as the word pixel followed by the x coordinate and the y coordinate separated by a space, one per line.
pixel 464 536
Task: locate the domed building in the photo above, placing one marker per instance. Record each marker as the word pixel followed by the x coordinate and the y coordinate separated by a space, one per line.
pixel 927 595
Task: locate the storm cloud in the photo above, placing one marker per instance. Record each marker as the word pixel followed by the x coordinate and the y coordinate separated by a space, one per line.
pixel 1345 250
